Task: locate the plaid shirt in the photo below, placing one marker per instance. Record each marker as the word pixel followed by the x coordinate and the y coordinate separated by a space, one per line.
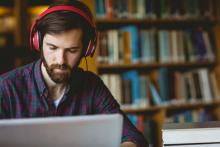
pixel 23 93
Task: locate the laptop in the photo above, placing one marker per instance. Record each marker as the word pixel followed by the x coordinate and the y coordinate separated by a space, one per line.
pixel 198 134
pixel 103 130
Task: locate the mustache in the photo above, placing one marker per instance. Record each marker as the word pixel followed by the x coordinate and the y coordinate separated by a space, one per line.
pixel 61 67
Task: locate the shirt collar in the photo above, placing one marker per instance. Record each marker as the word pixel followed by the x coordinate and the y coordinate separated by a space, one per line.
pixel 40 81
pixel 67 89
pixel 74 83
pixel 39 77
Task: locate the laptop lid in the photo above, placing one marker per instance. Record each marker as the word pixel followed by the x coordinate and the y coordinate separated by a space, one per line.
pixel 79 131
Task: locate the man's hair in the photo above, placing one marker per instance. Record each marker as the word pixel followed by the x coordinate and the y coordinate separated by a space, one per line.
pixel 61 21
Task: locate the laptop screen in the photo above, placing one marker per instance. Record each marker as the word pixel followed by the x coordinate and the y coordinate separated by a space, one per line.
pixel 79 131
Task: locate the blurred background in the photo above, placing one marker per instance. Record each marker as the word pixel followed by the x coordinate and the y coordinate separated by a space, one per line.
pixel 159 58
pixel 15 20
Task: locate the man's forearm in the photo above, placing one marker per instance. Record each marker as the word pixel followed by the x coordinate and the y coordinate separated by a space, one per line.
pixel 128 144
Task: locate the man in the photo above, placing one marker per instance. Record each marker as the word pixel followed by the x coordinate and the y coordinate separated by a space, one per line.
pixel 54 85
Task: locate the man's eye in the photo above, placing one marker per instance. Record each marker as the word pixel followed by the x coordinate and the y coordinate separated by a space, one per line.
pixel 53 48
pixel 72 50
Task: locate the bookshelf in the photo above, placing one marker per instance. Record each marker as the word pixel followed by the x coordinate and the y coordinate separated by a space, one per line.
pixel 156 114
pixel 6 35
pixel 14 35
pixel 207 19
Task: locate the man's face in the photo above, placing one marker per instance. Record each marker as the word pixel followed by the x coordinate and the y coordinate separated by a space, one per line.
pixel 61 53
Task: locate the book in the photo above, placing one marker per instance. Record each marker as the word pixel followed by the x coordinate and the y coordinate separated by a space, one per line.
pixel 164 82
pixel 109 8
pixel 143 91
pixel 110 46
pixel 156 99
pixel 127 47
pixel 189 46
pixel 141 9
pixel 126 92
pixel 115 86
pixel 151 7
pixel 174 46
pixel 200 50
pixel 99 8
pixel 147 45
pixel 164 46
pixel 133 30
pixel 205 84
pixel 133 76
pixel 102 50
pixel 214 85
pixel 191 134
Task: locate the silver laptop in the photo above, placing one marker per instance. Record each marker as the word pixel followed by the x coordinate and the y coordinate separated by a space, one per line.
pixel 78 131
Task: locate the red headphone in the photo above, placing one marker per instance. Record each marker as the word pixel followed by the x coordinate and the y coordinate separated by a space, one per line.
pixel 35 36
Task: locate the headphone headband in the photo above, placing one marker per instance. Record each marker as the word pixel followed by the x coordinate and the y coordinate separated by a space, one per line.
pixel 67 8
pixel 34 38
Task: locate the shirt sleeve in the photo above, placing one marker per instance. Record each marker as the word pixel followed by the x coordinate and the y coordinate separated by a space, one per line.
pixel 104 102
pixel 2 103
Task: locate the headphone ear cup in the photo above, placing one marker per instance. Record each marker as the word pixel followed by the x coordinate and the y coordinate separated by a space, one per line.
pixel 88 50
pixel 92 45
pixel 36 41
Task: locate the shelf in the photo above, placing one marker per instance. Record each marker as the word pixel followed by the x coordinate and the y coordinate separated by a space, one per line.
pixel 151 109
pixel 152 21
pixel 188 106
pixel 171 108
pixel 153 65
pixel 114 22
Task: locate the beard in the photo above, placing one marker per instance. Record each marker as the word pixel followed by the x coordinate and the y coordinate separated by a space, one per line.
pixel 58 73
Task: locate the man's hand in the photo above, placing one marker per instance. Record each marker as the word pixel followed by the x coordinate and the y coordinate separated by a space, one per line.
pixel 128 144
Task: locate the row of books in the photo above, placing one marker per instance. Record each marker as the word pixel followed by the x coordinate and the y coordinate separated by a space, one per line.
pixel 199 115
pixel 8 20
pixel 165 9
pixel 130 45
pixel 163 87
pixel 147 126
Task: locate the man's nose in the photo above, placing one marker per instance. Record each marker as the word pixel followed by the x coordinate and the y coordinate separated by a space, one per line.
pixel 61 57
